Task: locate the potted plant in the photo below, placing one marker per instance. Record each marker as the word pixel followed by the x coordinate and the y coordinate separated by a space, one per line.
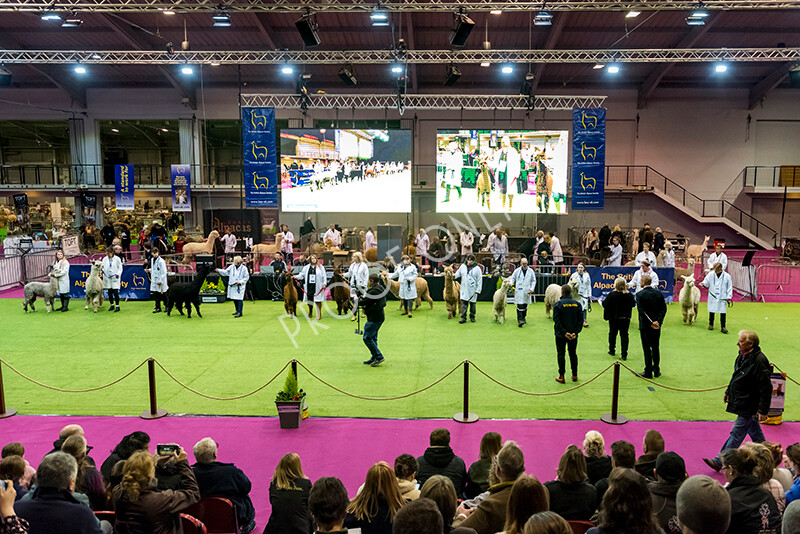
pixel 213 291
pixel 291 403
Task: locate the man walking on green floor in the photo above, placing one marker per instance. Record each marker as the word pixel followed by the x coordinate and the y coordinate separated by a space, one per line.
pixel 373 303
pixel 567 324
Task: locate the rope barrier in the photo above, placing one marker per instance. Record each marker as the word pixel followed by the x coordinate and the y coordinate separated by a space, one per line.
pixel 795 382
pixel 61 390
pixel 221 398
pixel 670 387
pixel 531 394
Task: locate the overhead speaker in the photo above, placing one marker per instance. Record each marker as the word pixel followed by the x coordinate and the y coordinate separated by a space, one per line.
pixel 347 76
pixel 307 28
pixel 453 74
pixel 461 32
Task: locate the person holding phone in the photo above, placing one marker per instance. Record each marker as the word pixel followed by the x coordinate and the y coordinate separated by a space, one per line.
pixel 10 523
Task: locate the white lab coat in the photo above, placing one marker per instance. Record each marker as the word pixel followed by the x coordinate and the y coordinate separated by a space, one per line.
pixel 649 257
pixel 61 271
pixel 615 259
pixel 722 287
pixel 334 236
pixel 669 259
pixel 369 241
pixel 237 280
pixel 229 240
pixel 286 244
pixel 321 279
pixel 511 166
pixel 158 275
pixel 523 283
pixel 718 258
pixel 498 246
pixel 466 242
pixel 423 243
pixel 584 287
pixel 358 274
pixel 112 272
pixel 637 276
pixel 453 168
pixel 471 282
pixel 406 275
pixel 556 254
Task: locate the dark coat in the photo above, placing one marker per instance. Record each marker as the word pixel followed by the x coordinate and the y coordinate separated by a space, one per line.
pixel 217 479
pixel 620 235
pixel 750 388
pixel 650 303
pixel 752 507
pixel 574 501
pixel 618 305
pixel 658 243
pixel 604 236
pixel 52 510
pixel 663 495
pixel 597 468
pixel 567 317
pixel 478 478
pixel 374 302
pixel 93 487
pixel 380 523
pixel 645 465
pixel 290 513
pixel 442 461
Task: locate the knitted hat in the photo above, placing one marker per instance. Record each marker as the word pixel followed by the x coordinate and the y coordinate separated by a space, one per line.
pixel 670 467
pixel 703 505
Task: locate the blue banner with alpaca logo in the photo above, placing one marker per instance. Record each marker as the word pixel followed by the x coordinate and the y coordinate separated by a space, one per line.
pixel 123 187
pixel 134 284
pixel 603 280
pixel 260 158
pixel 588 158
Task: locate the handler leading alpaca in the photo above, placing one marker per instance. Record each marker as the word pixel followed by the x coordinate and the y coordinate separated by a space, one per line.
pixel 112 272
pixel 406 274
pixel 238 276
pixel 583 283
pixel 471 284
pixel 720 292
pixel 314 280
pixel 61 271
pixel 524 281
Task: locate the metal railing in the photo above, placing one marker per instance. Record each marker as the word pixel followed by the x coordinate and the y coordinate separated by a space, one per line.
pixel 743 278
pixel 21 268
pixel 775 280
pixel 777 176
pixel 69 174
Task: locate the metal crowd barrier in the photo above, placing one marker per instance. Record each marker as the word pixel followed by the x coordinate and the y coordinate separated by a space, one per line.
pixel 777 281
pixel 743 278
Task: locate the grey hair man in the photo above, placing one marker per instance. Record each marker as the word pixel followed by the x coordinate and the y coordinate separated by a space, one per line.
pixel 703 505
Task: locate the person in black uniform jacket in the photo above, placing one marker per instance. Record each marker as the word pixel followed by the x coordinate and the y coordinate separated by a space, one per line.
pixel 567 324
pixel 278 264
pixel 652 310
pixel 604 236
pixel 617 308
pixel 373 303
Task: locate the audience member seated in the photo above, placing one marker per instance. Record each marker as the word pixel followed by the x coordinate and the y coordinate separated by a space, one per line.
pixel 653 445
pixel 405 469
pixel 67 431
pixel 278 264
pixel 216 479
pixel 528 497
pixel 375 506
pixel 141 507
pixel 9 522
pixel 623 454
pixel 627 506
pixel 670 472
pixel 791 519
pixel 136 441
pixel 418 517
pixel 490 515
pixel 52 508
pixel 89 480
pixel 571 496
pixel 440 490
pixel 327 502
pixel 439 459
pixel 598 463
pixel 13 468
pixel 763 472
pixel 792 462
pixel 16 448
pixel 753 508
pixel 704 507
pixel 779 473
pixel 288 497
pixel 547 523
pixel 478 474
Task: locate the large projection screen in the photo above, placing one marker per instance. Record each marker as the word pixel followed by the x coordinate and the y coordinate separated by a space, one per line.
pixel 501 171
pixel 346 170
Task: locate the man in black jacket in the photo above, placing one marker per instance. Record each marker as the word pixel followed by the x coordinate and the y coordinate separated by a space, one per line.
pixel 604 236
pixel 652 309
pixel 748 395
pixel 439 459
pixel 373 303
pixel 567 324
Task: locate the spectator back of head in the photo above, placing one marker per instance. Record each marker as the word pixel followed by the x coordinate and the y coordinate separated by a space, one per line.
pixel 205 451
pixel 703 505
pixel 441 491
pixel 654 441
pixel 510 461
pixel 12 449
pixel 791 518
pixel 405 465
pixel 491 443
pixel 328 502
pixel 670 467
pixel 440 437
pixel 418 517
pixel 57 470
pixel 623 453
pixel 12 468
pixel 593 443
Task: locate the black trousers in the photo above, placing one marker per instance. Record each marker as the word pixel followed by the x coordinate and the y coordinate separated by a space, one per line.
pixel 563 345
pixel 652 357
pixel 159 298
pixel 113 296
pixel 722 317
pixel 618 326
pixel 464 305
pixel 522 313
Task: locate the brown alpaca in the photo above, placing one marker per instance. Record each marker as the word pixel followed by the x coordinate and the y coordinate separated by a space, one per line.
pixel 452 292
pixel 207 247
pixel 265 249
pixel 290 295
pixel 422 289
pixel 341 292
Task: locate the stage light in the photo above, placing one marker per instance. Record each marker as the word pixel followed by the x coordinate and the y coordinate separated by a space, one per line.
pixel 95 56
pixel 5 76
pixel 164 130
pixel 79 69
pixel 452 76
pixel 598 66
pixel 287 69
pixel 496 12
pixel 379 16
pixel 72 21
pixel 301 86
pixel 699 13
pixel 168 12
pixel 696 21
pixel 114 130
pixel 50 15
pixel 543 18
pixel 613 69
pixel 632 14
pixel 347 76
pixel 397 68
pixel 221 19
pixel 721 67
pixel 463 27
pixel 307 28
pixel 187 70
pixel 507 69
pixel 214 64
pixel 485 64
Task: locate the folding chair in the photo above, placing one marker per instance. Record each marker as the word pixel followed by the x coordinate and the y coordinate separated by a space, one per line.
pixel 192 525
pixel 580 527
pixel 218 515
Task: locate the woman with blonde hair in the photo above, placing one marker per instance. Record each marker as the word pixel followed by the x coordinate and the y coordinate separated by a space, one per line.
pixel 89 481
pixel 528 497
pixel 140 507
pixel 374 508
pixel 598 463
pixel 547 523
pixel 288 497
pixel 61 271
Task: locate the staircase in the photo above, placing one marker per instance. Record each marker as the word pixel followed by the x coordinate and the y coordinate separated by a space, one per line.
pixel 645 179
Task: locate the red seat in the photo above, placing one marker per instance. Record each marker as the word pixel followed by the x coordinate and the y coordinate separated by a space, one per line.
pixel 105 515
pixel 192 525
pixel 218 514
pixel 580 527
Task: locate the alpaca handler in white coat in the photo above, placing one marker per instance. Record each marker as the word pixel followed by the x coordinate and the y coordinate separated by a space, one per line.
pixel 238 275
pixel 471 278
pixel 406 274
pixel 524 280
pixel 466 243
pixel 645 269
pixel 358 274
pixel 61 271
pixel 584 282
pixel 314 280
pixel 112 273
pixel 158 279
pixel 720 293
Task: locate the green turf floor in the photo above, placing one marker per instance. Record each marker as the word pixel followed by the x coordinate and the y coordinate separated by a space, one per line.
pixel 222 356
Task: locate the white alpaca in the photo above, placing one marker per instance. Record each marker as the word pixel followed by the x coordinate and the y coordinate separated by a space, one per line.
pixel 46 290
pixel 689 297
pixel 94 288
pixel 551 295
pixel 696 251
pixel 499 301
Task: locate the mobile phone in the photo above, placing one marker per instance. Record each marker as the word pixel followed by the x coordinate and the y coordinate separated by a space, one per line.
pixel 3 484
pixel 165 449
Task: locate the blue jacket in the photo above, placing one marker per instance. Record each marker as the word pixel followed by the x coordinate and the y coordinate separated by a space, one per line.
pixel 794 492
pixel 53 510
pixel 217 479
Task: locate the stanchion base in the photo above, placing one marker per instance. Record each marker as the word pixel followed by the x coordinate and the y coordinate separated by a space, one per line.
pixel 8 413
pixel 620 420
pixel 469 418
pixel 161 412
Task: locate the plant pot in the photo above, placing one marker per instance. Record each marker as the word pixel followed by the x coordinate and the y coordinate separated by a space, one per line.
pixel 212 298
pixel 289 413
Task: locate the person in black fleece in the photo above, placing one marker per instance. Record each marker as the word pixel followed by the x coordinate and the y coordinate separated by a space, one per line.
pixel 652 446
pixel 567 324
pixel 652 309
pixel 571 496
pixel 753 507
pixel 617 308
pixel 439 459
pixel 373 304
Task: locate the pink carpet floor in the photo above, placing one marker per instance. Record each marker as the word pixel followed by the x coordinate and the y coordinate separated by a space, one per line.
pixel 347 447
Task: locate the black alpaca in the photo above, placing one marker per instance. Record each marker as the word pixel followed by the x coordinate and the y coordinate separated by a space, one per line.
pixel 187 293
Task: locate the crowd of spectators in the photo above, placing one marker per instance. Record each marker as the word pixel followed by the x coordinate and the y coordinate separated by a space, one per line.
pixel 435 493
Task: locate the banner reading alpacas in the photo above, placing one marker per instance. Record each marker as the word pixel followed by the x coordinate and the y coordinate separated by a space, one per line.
pixel 588 158
pixel 603 280
pixel 181 188
pixel 134 284
pixel 260 158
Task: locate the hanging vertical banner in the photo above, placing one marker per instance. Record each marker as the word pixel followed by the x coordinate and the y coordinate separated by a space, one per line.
pixel 260 158
pixel 588 158
pixel 181 189
pixel 123 187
